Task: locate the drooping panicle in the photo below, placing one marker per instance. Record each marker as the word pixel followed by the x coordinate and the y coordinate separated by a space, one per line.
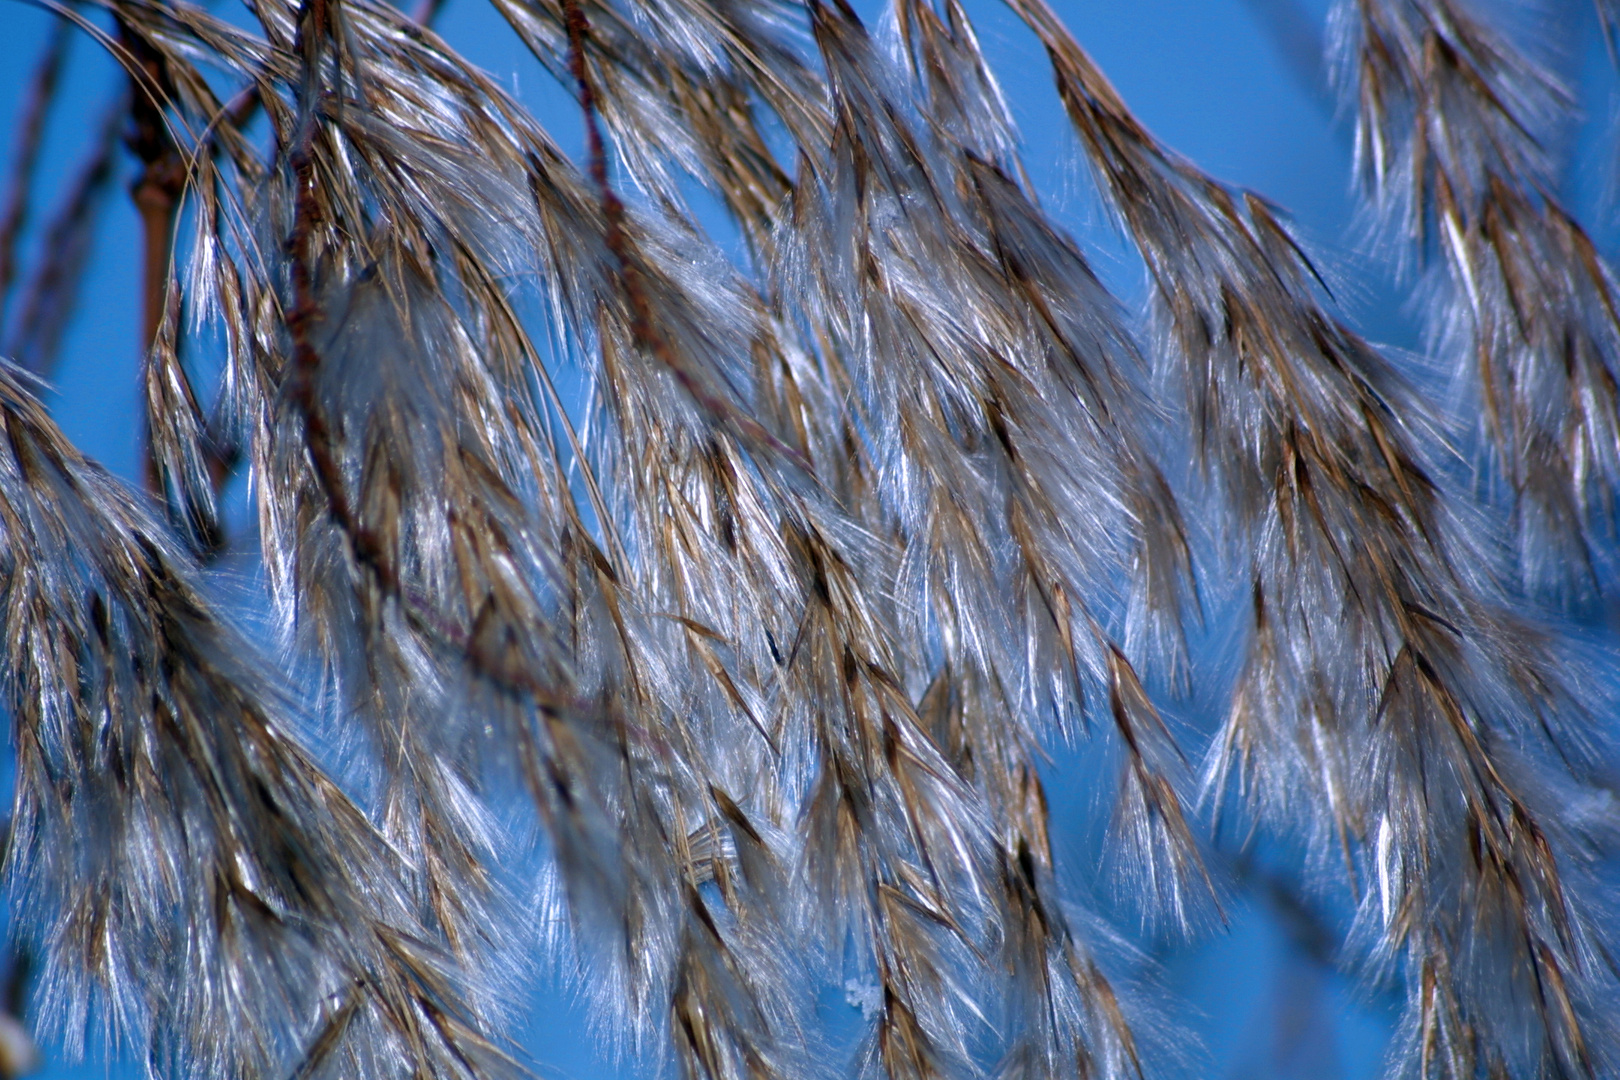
pixel 680 87
pixel 417 522
pixel 999 385
pixel 1388 706
pixel 194 877
pixel 1455 124
pixel 774 622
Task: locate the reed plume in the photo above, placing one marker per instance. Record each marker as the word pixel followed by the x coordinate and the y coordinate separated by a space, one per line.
pixel 1385 675
pixel 1454 124
pixel 773 630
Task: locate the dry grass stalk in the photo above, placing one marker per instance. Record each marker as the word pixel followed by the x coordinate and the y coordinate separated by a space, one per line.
pixel 774 639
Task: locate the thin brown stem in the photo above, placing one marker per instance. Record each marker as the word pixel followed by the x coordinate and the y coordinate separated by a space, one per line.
pixel 643 327
pixel 34 336
pixel 368 548
pixel 306 359
pixel 30 138
pixel 156 193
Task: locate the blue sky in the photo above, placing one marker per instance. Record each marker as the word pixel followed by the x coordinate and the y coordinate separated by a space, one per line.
pixel 1210 78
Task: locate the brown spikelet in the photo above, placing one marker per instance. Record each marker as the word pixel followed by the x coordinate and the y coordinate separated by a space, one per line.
pixel 1453 122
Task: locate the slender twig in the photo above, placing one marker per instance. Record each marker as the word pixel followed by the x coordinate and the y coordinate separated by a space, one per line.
pixel 367 547
pixel 52 292
pixel 156 193
pixel 306 360
pixel 30 139
pixel 643 326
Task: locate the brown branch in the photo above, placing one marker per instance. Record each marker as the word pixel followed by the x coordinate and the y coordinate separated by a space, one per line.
pixel 156 193
pixel 306 359
pixel 30 138
pixel 53 287
pixel 367 547
pixel 643 326
pixel 426 11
